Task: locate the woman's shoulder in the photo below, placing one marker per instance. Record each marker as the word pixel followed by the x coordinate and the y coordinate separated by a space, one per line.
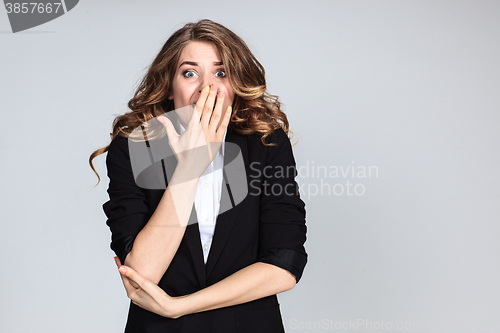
pixel 277 137
pixel 118 148
pixel 119 140
pixel 277 147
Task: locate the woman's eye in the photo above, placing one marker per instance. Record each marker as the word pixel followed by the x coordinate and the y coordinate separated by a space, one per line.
pixel 189 74
pixel 220 74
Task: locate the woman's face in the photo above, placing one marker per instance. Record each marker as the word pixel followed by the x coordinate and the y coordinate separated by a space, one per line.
pixel 199 65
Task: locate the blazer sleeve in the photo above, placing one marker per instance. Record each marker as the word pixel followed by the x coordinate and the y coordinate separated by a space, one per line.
pixel 127 209
pixel 282 229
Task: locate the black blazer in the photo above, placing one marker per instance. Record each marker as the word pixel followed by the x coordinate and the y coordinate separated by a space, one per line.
pixel 268 225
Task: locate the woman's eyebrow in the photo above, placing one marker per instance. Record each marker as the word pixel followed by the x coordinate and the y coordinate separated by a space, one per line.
pixel 193 63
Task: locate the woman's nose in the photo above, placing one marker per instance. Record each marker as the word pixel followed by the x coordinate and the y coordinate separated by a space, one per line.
pixel 206 83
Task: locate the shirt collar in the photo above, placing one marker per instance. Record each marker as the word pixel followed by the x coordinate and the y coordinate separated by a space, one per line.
pixel 223 146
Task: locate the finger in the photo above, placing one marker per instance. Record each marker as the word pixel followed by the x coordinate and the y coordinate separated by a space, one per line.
pixel 132 275
pixel 146 285
pixel 209 106
pixel 119 264
pixel 132 283
pixel 198 107
pixel 225 122
pixel 141 281
pixel 129 285
pixel 216 115
pixel 169 128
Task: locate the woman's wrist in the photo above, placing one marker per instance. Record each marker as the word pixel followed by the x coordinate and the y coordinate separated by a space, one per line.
pixel 178 307
pixel 186 172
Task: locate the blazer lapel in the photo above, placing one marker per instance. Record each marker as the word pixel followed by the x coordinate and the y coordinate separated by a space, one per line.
pixel 231 195
pixel 234 190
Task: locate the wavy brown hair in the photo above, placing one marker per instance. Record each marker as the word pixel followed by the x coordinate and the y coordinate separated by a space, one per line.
pixel 254 109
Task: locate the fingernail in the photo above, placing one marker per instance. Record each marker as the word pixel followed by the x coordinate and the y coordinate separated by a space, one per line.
pixel 229 108
pixel 207 88
pixel 160 120
pixel 122 269
pixel 221 93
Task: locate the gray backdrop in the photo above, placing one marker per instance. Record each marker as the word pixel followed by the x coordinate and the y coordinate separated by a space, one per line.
pixel 403 93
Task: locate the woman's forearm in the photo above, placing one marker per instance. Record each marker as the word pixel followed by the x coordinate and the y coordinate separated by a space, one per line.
pixel 250 283
pixel 156 244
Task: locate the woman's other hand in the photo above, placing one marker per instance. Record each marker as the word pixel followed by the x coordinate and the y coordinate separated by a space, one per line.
pixel 146 294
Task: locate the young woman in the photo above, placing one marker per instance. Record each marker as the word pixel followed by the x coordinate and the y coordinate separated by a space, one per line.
pixel 197 255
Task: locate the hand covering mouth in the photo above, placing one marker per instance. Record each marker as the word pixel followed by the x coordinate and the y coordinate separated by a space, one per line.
pixel 215 103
